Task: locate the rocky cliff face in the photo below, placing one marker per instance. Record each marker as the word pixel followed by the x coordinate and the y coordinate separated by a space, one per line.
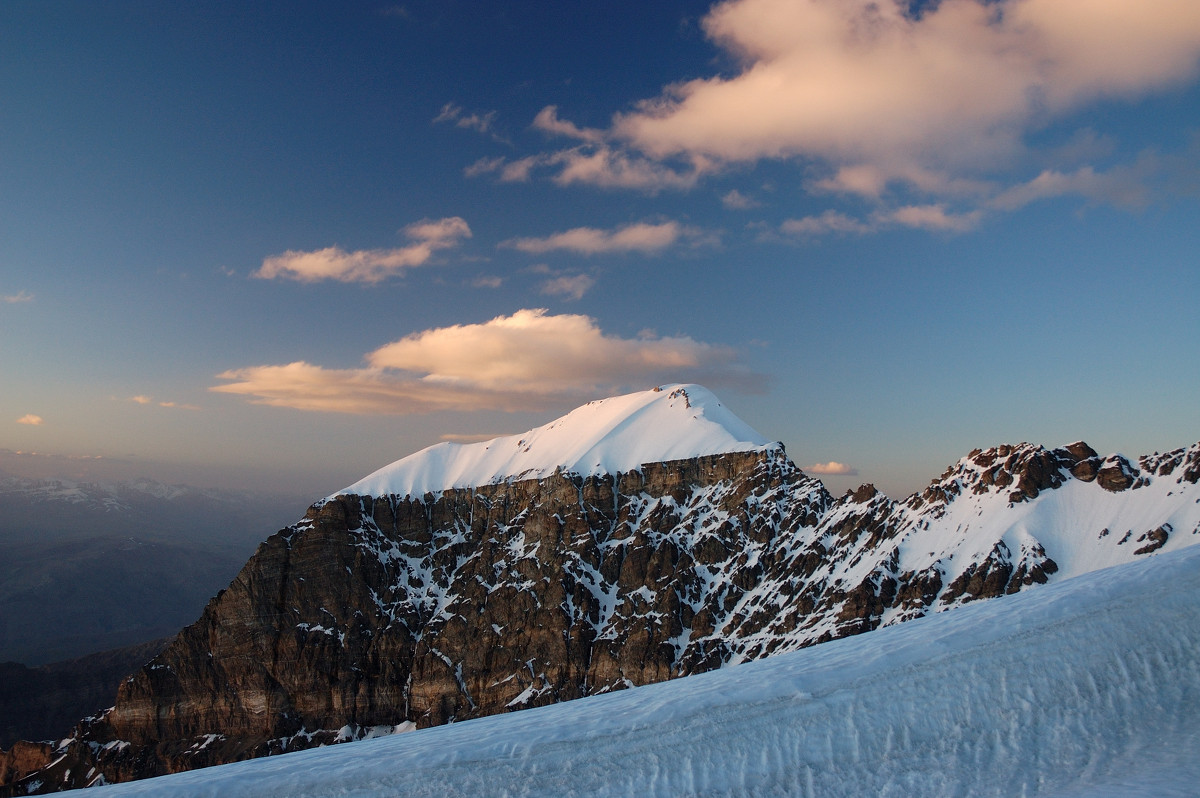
pixel 376 614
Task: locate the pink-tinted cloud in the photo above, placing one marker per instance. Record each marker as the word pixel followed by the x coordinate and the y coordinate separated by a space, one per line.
pixel 832 468
pixel 547 120
pixel 875 91
pixel 642 237
pixel 20 296
pixel 874 99
pixel 31 420
pixel 367 266
pixel 529 360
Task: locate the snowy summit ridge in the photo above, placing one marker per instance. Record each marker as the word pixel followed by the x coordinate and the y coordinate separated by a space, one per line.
pixel 607 436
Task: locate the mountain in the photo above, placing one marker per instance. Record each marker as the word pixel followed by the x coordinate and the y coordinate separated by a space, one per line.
pixel 1089 688
pixel 635 540
pixel 92 566
pixel 39 703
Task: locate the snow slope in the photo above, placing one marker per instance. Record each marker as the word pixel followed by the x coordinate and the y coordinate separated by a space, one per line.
pixel 672 422
pixel 1086 687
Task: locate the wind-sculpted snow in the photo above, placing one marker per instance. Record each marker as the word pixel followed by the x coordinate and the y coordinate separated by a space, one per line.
pixel 1087 688
pixel 608 436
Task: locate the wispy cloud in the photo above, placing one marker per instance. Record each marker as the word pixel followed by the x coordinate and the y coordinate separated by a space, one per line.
pixel 487 281
pixel 20 296
pixel 737 201
pixel 641 237
pixel 142 399
pixel 31 420
pixel 568 286
pixel 923 217
pixel 479 122
pixel 547 120
pixel 597 165
pixel 529 360
pixel 832 468
pixel 827 222
pixel 368 266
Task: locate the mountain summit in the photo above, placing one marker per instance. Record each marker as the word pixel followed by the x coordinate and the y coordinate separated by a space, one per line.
pixel 607 436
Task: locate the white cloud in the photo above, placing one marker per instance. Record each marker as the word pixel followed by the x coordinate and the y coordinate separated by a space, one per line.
pixel 529 360
pixel 832 468
pixel 569 286
pixel 31 420
pixel 20 296
pixel 641 237
pixel 367 266
pixel 487 281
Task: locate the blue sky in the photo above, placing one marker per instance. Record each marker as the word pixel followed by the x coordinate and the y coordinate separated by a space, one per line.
pixel 283 244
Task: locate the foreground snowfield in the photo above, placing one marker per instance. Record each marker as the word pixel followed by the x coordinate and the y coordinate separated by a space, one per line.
pixel 1087 687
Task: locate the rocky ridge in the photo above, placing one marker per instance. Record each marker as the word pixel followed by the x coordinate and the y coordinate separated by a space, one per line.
pixel 376 614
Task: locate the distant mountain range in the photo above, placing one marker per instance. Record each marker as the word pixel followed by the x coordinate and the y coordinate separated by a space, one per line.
pixel 635 540
pixel 92 566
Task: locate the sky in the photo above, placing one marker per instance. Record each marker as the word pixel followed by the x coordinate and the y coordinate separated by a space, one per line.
pixel 279 245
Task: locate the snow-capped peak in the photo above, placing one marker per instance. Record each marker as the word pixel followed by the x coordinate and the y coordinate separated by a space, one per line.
pixel 607 436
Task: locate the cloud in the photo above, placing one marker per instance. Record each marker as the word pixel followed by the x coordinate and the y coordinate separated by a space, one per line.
pixel 569 286
pixel 487 281
pixel 880 94
pixel 930 217
pixel 641 237
pixel 31 420
pixel 885 98
pixel 478 122
pixel 20 296
pixel 597 165
pixel 925 217
pixel 828 222
pixel 367 266
pixel 832 468
pixel 142 399
pixel 484 166
pixel 529 360
pixel 1127 186
pixel 179 405
pixel 547 120
pixel 736 200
